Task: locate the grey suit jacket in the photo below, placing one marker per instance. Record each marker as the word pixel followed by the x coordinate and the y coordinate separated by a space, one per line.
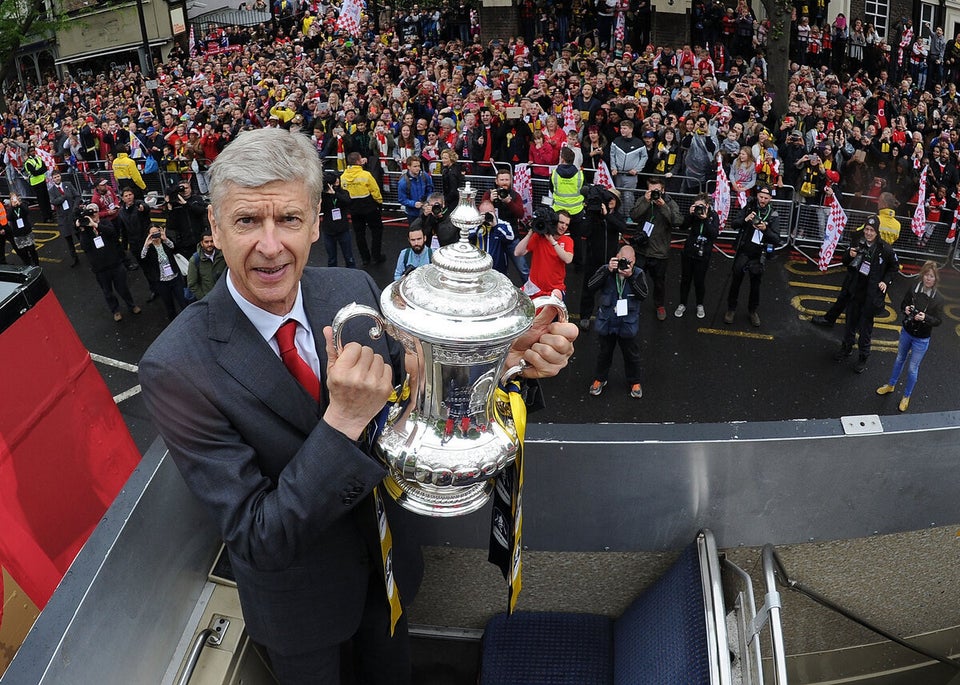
pixel 289 493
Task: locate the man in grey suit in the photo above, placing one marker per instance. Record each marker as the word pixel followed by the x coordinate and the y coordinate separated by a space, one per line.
pixel 287 476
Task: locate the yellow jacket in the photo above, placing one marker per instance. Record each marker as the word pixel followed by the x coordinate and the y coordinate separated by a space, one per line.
pixel 284 114
pixel 124 167
pixel 889 226
pixel 360 183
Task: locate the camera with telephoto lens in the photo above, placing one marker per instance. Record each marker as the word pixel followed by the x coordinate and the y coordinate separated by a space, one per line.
pixel 436 210
pixel 544 221
pixel 503 194
pixel 623 264
pixel 489 219
pixel 700 211
pixel 655 195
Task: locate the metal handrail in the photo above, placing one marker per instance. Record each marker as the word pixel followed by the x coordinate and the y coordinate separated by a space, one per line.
pixel 199 643
pixel 750 656
pixel 771 603
pixel 774 571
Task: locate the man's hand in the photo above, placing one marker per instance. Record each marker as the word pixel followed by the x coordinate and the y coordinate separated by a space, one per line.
pixel 359 382
pixel 546 347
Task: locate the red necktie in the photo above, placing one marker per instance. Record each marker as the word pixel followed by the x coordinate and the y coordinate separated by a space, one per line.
pixel 294 362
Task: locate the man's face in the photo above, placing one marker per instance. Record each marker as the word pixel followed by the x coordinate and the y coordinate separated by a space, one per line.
pixel 265 234
pixel 417 241
pixel 127 197
pixel 102 189
pixel 503 181
pixel 763 199
pixel 563 224
pixel 206 244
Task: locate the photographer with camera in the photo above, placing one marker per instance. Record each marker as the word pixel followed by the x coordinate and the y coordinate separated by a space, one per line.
pixel 656 213
pixel 435 223
pixel 19 227
pixel 494 236
pixel 622 288
pixel 922 308
pixel 186 217
pixel 134 222
pixel 872 264
pixel 101 245
pixel 508 206
pixel 157 257
pixel 758 234
pixel 335 227
pixel 702 226
pixel 603 224
pixel 551 250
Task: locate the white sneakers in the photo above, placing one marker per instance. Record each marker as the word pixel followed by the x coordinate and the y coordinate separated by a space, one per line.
pixel 681 309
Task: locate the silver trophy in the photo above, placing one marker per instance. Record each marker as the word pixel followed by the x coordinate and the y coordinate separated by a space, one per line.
pixel 445 439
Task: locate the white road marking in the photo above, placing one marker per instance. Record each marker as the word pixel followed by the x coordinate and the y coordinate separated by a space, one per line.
pixel 116 363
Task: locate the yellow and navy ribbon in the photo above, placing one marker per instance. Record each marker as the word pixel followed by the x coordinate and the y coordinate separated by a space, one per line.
pixel 506 523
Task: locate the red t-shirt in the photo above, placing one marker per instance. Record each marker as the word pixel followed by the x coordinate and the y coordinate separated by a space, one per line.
pixel 547 270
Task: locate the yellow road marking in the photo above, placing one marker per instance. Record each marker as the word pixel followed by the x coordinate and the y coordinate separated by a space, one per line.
pixel 735 334
pixel 816 286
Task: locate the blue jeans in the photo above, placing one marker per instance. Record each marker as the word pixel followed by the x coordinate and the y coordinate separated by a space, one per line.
pixel 916 348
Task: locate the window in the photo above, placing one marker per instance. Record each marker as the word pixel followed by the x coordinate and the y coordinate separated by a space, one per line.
pixel 876 12
pixel 928 14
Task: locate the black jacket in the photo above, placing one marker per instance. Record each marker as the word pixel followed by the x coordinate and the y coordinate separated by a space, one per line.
pixel 883 267
pixel 104 258
pixel 701 235
pixel 931 306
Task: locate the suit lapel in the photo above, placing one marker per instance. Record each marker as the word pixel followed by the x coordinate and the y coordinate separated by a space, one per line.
pixel 247 357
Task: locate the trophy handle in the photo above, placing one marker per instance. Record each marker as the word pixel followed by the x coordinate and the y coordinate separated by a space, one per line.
pixel 351 311
pixel 539 303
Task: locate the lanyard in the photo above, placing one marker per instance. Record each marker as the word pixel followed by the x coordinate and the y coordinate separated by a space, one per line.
pixel 620 284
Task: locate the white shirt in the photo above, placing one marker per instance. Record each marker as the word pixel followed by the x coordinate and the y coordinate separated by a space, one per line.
pixel 267 325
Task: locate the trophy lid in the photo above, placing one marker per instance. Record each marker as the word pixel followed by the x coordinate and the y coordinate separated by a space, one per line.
pixel 459 297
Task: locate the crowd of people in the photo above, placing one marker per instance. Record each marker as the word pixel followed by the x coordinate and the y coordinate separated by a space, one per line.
pixel 416 92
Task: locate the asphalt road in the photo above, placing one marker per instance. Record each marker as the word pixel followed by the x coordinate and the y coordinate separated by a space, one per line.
pixel 694 370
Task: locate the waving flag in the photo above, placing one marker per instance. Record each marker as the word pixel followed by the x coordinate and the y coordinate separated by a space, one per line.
pixel 721 196
pixel 569 119
pixel 742 199
pixel 48 161
pixel 603 177
pixel 836 222
pixel 349 19
pixel 919 223
pixel 523 184
pixel 619 30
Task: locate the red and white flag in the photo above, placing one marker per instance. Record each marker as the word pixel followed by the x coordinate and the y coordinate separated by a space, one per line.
pixel 721 196
pixel 48 161
pixel 619 30
pixel 349 19
pixel 919 222
pixel 603 177
pixel 742 199
pixel 836 222
pixel 523 184
pixel 569 118
pixel 192 46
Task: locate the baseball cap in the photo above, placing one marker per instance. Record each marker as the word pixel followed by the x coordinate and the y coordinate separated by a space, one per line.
pixel 649 134
pixel 796 132
pixel 873 222
pixel 93 208
pixel 103 182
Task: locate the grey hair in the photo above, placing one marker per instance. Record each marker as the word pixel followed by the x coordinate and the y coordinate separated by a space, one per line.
pixel 266 155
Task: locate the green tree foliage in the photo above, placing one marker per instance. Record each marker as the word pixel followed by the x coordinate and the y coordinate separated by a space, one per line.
pixel 21 23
